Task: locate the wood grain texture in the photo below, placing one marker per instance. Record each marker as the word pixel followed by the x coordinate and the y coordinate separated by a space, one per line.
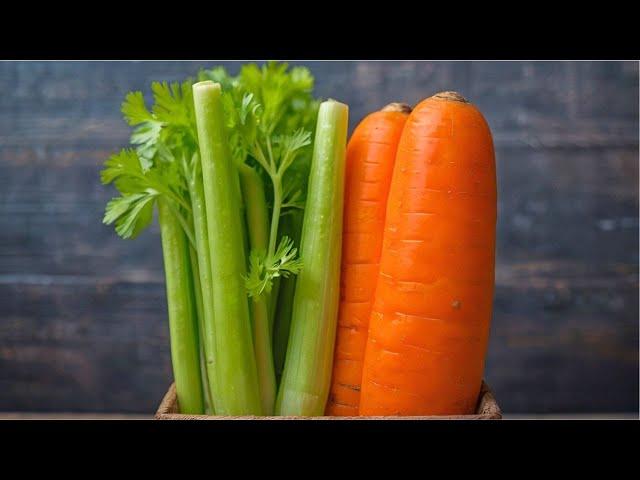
pixel 83 315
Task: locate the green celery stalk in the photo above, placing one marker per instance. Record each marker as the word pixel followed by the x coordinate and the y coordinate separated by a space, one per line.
pixel 255 207
pixel 199 302
pixel 291 226
pixel 273 303
pixel 305 380
pixel 182 315
pixel 236 372
pixel 264 355
pixel 242 213
pixel 258 231
pixel 207 333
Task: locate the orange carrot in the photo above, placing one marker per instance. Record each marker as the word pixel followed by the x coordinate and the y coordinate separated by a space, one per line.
pixel 370 156
pixel 429 325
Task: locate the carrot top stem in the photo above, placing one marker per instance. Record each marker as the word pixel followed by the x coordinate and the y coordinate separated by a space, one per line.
pixel 397 107
pixel 451 96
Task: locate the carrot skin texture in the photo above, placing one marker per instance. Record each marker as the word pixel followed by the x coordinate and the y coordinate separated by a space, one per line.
pixel 304 385
pixel 429 326
pixel 371 154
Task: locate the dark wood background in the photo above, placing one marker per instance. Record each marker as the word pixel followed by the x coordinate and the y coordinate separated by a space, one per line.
pixel 82 313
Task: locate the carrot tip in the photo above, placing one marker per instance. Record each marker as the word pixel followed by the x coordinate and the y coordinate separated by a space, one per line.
pixel 451 96
pixel 397 107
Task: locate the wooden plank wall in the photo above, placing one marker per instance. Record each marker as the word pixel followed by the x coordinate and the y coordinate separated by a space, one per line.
pixel 82 313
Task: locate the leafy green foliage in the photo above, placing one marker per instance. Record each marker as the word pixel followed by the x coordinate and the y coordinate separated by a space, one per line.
pixel 124 163
pixel 270 115
pixel 146 135
pixel 161 136
pixel 131 213
pixel 174 103
pixel 284 94
pixel 265 104
pixel 290 146
pixel 263 268
pixel 134 109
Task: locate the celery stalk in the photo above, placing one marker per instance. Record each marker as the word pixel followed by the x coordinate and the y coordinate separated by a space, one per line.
pixel 199 302
pixel 205 284
pixel 258 231
pixel 255 207
pixel 182 316
pixel 264 355
pixel 307 371
pixel 291 227
pixel 242 213
pixel 273 302
pixel 236 372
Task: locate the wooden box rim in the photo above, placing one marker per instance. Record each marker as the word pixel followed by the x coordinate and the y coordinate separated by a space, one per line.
pixel 487 409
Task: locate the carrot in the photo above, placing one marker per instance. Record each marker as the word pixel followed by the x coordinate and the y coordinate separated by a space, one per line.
pixel 370 156
pixel 429 325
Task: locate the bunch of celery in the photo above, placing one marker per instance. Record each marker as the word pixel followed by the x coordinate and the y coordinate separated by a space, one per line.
pixel 227 160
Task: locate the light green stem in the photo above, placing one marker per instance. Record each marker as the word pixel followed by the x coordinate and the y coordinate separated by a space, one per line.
pixel 182 325
pixel 264 354
pixel 236 364
pixel 255 207
pixel 273 302
pixel 257 219
pixel 291 226
pixel 273 236
pixel 275 214
pixel 242 213
pixel 305 380
pixel 208 340
pixel 197 294
pixel 188 231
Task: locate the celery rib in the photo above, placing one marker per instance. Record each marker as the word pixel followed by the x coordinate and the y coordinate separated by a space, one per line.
pixel 236 365
pixel 305 380
pixel 185 357
pixel 205 285
pixel 257 218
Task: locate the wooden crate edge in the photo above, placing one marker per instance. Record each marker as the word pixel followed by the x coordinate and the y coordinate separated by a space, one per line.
pixel 487 409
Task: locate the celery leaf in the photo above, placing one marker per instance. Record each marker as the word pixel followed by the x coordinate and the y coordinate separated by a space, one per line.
pixel 131 212
pixel 263 268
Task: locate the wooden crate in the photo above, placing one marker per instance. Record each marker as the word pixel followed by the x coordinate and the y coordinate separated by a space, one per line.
pixel 487 409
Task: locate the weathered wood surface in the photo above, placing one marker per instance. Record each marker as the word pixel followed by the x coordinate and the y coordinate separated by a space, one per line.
pixel 82 313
